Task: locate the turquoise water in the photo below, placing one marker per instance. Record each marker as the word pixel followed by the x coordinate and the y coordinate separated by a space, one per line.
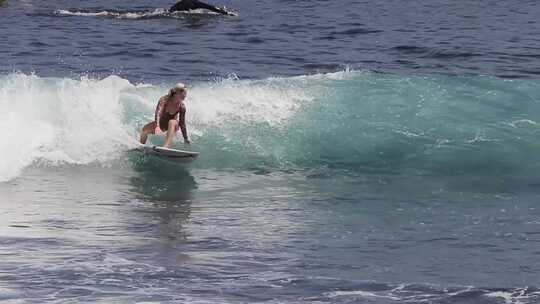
pixel 350 122
pixel 350 152
pixel 337 188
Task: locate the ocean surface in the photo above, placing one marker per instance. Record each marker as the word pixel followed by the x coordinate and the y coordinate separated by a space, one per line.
pixel 350 152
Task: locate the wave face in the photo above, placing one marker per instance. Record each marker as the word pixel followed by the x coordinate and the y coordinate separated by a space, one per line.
pixel 351 120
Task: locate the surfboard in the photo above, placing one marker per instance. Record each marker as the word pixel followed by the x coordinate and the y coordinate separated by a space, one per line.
pixel 174 155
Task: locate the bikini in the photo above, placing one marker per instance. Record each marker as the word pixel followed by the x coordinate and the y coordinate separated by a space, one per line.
pixel 164 119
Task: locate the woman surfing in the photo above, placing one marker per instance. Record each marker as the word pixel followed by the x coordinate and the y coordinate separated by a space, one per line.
pixel 169 116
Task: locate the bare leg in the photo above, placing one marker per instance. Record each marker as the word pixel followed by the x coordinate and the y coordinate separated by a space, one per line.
pixel 173 127
pixel 149 128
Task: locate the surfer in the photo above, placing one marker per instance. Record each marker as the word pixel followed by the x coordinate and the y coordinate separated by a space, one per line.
pixel 187 5
pixel 169 116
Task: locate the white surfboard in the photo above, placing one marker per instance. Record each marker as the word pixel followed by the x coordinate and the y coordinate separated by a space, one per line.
pixel 179 156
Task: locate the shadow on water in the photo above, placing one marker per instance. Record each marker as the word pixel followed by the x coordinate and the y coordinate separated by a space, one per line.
pixel 167 187
pixel 3 3
pixel 159 180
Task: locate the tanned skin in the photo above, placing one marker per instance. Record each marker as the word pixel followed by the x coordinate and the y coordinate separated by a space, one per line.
pixel 169 116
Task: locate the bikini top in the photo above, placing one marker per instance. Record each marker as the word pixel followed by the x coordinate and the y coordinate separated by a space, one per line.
pixel 165 112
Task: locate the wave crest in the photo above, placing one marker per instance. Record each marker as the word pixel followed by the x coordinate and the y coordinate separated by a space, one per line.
pixel 347 120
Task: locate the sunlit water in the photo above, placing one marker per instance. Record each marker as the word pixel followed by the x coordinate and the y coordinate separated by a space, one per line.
pixel 351 152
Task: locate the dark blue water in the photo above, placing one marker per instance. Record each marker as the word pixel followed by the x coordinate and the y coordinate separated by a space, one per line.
pixel 350 152
pixel 271 38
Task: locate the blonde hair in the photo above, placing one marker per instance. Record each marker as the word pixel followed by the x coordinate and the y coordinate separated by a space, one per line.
pixel 176 88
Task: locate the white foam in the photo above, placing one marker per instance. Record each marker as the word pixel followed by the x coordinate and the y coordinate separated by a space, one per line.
pixel 360 293
pixel 515 297
pixel 137 15
pixel 121 15
pixel 59 120
pixel 344 74
pixel 228 101
pixel 520 122
pixel 480 138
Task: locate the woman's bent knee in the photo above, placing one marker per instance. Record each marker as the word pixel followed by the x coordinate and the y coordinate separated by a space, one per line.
pixel 149 128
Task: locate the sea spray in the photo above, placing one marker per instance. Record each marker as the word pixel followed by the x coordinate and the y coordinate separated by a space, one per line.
pixel 353 121
pixel 60 121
